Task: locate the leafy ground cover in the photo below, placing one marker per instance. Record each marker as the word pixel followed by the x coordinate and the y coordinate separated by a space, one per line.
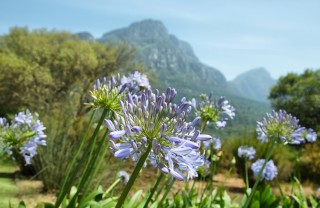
pixel 14 188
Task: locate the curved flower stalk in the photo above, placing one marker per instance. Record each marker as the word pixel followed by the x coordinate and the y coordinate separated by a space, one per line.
pixel 152 119
pixel 279 127
pixel 285 128
pixel 246 152
pixel 269 172
pixel 22 136
pixel 216 111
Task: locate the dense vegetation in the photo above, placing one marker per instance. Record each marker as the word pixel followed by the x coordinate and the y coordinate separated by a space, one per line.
pixel 300 96
pixel 51 72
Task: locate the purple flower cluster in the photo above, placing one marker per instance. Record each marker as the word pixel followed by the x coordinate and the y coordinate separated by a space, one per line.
pixel 269 172
pixel 151 118
pixel 215 141
pixel 23 135
pixel 136 79
pixel 214 110
pixel 246 152
pixel 284 127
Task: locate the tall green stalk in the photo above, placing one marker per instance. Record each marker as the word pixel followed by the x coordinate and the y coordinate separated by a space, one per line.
pixel 246 171
pixel 89 158
pixel 270 150
pixel 67 183
pixel 167 191
pixel 153 190
pixel 88 152
pixel 134 175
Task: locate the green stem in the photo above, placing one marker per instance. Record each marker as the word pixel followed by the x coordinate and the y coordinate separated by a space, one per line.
pixel 112 186
pixel 280 189
pixel 167 191
pixel 248 201
pixel 203 125
pixel 153 190
pixel 89 158
pixel 99 154
pixel 67 183
pixel 134 175
pixel 246 172
pixel 159 192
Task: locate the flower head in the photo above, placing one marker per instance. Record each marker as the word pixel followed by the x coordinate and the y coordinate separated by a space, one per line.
pixel 123 175
pixel 153 119
pixel 107 94
pixel 23 135
pixel 246 152
pixel 216 111
pixel 269 172
pixel 215 141
pixel 285 128
pixel 136 80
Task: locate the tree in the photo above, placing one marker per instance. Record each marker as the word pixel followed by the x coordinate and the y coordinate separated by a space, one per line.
pixel 51 72
pixel 299 95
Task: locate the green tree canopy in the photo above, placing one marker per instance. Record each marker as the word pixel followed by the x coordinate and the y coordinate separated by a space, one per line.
pixel 51 72
pixel 40 67
pixel 300 96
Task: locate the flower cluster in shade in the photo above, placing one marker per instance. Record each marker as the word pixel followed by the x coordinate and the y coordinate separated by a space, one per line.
pixel 136 81
pixel 284 127
pixel 215 111
pixel 269 172
pixel 246 152
pixel 23 135
pixel 152 120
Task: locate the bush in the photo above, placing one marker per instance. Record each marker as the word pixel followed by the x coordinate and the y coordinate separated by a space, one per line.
pixel 283 156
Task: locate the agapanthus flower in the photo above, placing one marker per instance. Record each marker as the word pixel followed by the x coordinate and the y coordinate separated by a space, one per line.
pixel 215 111
pixel 153 119
pixel 22 136
pixel 246 152
pixel 269 172
pixel 107 94
pixel 123 175
pixel 215 142
pixel 136 80
pixel 284 127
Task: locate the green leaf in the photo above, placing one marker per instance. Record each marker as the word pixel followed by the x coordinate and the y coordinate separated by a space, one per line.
pixel 133 201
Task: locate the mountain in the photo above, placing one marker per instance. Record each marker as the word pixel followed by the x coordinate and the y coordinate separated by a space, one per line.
pixel 177 66
pixel 172 59
pixel 85 36
pixel 254 84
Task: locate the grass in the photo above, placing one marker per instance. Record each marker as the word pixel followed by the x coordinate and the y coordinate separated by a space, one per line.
pixel 8 189
pixel 13 190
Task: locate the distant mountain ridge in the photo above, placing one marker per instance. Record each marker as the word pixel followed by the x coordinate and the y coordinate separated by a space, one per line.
pixel 177 66
pixel 254 84
pixel 172 59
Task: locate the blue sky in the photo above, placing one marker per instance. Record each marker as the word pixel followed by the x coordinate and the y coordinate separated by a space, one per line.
pixel 233 36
